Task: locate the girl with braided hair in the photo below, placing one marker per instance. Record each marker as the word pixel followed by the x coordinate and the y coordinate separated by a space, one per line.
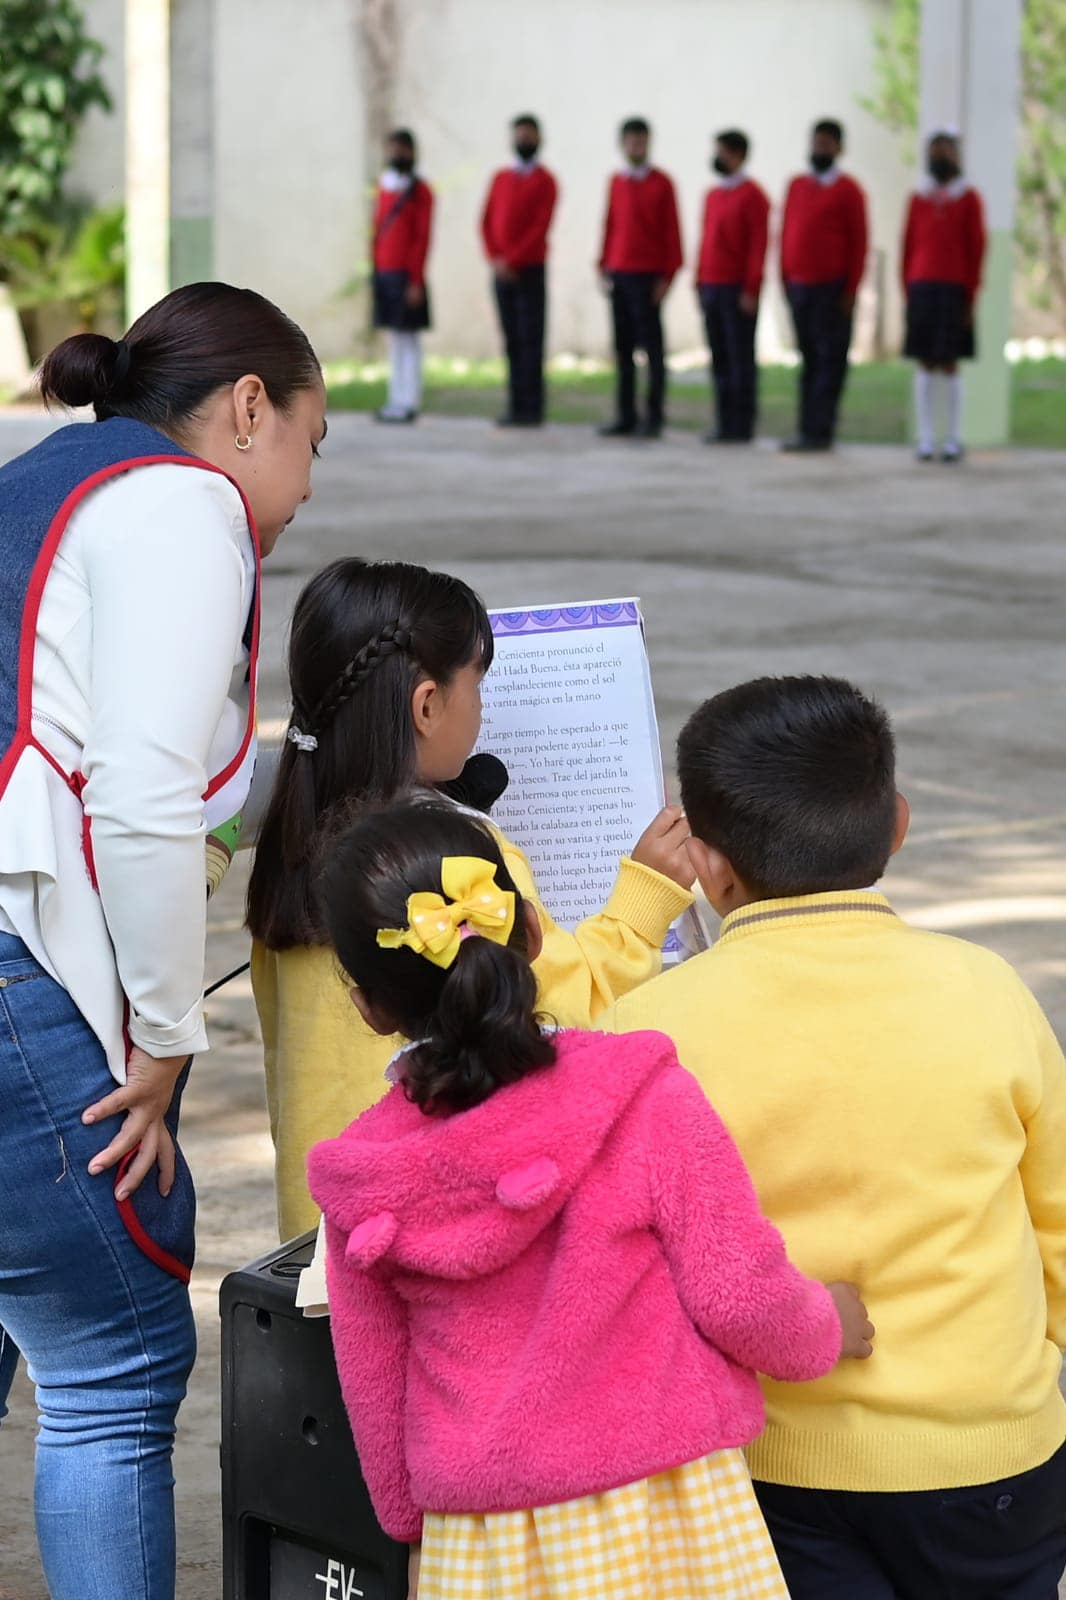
pixel 385 666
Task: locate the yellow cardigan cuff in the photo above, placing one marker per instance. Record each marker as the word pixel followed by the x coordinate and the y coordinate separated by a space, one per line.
pixel 646 901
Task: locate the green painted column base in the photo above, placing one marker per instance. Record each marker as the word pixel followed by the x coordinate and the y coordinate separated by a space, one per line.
pixel 986 406
pixel 192 250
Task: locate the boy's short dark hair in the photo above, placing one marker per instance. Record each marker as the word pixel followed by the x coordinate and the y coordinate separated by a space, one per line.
pixel 794 781
pixel 526 120
pixel 830 126
pixel 635 125
pixel 402 136
pixel 734 140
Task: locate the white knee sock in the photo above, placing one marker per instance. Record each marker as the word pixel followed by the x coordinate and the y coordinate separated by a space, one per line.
pixel 923 409
pixel 405 376
pixel 954 387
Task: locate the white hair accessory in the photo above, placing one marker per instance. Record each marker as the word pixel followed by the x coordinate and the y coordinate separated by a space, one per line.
pixel 303 741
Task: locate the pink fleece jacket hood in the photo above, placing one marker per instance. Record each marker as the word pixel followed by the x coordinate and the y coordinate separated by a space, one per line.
pixel 566 1288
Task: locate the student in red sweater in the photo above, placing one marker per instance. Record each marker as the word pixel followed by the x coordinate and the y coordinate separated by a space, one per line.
pixel 640 257
pixel 514 228
pixel 729 279
pixel 402 218
pixel 943 251
pixel 823 254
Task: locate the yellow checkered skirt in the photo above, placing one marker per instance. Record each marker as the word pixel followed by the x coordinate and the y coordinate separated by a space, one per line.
pixel 685 1535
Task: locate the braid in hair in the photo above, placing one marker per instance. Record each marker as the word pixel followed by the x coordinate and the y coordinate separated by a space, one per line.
pixel 393 639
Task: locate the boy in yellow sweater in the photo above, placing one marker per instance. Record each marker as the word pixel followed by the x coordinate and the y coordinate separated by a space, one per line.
pixel 900 1100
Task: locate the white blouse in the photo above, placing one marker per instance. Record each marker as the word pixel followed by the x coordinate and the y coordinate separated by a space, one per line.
pixel 139 683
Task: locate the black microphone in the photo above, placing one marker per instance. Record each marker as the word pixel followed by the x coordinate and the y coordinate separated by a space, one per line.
pixel 480 784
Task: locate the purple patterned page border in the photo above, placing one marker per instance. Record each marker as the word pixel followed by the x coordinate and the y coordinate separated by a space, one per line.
pixel 566 619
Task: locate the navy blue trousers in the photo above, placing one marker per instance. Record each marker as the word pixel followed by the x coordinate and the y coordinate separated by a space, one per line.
pixel 997 1541
pixel 731 338
pixel 522 303
pixel 823 333
pixel 638 325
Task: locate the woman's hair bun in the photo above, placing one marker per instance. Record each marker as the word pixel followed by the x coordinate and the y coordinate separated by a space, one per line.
pixel 84 370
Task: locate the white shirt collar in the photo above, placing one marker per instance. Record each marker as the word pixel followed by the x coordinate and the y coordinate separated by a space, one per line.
pixel 827 179
pixel 735 179
pixel 640 173
pixel 945 191
pixel 518 165
pixel 394 182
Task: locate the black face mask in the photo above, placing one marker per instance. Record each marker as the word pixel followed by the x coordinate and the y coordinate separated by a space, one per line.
pixel 722 167
pixel 942 169
pixel 403 164
pixel 821 162
pixel 525 149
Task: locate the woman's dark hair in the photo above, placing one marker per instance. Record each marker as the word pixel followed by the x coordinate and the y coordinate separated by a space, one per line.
pixel 364 635
pixel 476 1020
pixel 197 340
pixel 794 781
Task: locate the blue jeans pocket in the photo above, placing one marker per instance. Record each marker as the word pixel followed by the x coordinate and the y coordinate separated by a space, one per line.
pixel 165 1228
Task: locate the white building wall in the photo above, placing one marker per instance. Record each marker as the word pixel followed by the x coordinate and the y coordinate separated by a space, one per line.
pixel 290 206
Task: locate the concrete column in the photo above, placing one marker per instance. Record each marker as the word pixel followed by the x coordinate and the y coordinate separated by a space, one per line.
pixel 970 80
pixel 192 141
pixel 147 153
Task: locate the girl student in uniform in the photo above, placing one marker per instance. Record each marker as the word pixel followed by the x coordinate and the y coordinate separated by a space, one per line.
pixel 385 667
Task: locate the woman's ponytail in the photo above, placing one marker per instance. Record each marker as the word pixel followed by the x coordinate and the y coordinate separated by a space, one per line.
pixel 474 1016
pixel 485 1032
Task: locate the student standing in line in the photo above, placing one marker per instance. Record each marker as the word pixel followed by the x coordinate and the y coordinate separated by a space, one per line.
pixel 641 255
pixel 729 279
pixel 402 220
pixel 943 252
pixel 823 254
pixel 514 228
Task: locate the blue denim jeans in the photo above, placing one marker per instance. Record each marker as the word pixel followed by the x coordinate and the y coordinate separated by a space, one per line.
pixel 107 1335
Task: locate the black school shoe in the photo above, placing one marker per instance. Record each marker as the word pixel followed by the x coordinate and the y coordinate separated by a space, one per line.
pixel 401 421
pixel 649 429
pixel 952 455
pixel 510 421
pixel 806 447
pixel 617 430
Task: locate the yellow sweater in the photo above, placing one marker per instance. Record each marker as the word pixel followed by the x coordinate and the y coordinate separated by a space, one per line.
pixel 900 1100
pixel 325 1067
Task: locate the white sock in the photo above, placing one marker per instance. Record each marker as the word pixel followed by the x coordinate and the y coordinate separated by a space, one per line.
pixel 405 366
pixel 954 387
pixel 923 409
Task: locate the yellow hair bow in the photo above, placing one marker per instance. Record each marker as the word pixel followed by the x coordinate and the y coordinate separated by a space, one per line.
pixel 472 903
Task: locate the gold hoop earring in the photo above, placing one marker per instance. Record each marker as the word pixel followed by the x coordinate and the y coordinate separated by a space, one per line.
pixel 246 445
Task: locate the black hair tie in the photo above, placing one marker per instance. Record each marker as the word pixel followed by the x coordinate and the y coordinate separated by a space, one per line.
pixel 121 370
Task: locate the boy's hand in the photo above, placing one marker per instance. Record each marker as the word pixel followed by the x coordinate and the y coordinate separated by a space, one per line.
pixel 856 1326
pixel 413 1567
pixel 662 847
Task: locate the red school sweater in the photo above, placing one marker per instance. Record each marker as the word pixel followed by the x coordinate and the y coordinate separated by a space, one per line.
pixel 733 249
pixel 517 216
pixel 823 237
pixel 403 244
pixel 944 238
pixel 642 230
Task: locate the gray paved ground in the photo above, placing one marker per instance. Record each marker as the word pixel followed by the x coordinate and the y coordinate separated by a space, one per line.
pixel 940 590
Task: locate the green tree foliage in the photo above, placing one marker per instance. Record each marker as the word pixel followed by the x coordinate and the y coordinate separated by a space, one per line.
pixel 1041 220
pixel 49 79
pixel 1041 231
pixel 897 64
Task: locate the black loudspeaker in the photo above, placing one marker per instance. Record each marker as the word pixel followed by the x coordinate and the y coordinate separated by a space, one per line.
pixel 297 1523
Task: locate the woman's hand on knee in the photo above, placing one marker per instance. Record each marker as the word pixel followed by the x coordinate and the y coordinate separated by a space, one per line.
pixel 144 1099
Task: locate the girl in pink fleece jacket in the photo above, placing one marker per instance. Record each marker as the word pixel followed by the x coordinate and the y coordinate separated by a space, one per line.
pixel 550 1282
